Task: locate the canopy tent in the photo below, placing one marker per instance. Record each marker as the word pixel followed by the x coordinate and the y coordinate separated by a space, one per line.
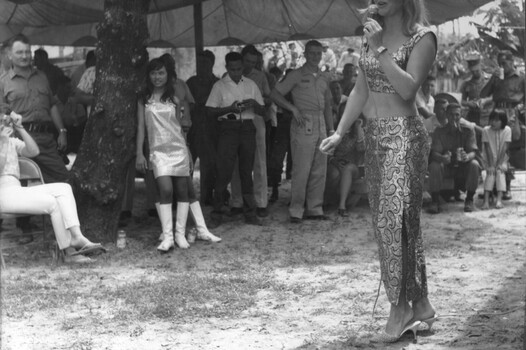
pixel 224 22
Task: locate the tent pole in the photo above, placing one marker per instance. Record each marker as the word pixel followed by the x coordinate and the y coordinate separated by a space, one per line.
pixel 198 29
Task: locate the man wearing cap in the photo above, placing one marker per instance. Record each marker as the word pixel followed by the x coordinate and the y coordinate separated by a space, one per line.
pixel 328 59
pixel 453 155
pixel 507 89
pixel 471 88
pixel 348 56
pixel 312 119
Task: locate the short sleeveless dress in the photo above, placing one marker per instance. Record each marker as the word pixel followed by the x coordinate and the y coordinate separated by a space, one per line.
pixel 169 155
pixel 395 166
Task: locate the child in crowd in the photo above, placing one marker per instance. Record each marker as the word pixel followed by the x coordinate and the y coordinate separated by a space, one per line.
pixel 159 113
pixel 55 199
pixel 345 161
pixel 496 139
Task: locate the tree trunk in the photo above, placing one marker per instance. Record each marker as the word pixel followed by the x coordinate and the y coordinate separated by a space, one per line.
pixel 108 144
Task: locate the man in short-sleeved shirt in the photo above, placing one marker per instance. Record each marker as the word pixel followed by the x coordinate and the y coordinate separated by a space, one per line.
pixel 350 73
pixel 235 101
pixel 425 102
pixel 312 120
pixel 328 59
pixel 250 57
pixel 471 88
pixel 348 57
pixel 446 161
pixel 26 91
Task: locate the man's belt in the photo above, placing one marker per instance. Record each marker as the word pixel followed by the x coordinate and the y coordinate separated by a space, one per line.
pixel 506 104
pixel 39 127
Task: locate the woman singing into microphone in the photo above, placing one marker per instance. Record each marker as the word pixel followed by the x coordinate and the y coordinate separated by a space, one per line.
pixel 395 59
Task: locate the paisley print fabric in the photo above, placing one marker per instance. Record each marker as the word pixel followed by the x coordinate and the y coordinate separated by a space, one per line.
pixel 376 78
pixel 395 165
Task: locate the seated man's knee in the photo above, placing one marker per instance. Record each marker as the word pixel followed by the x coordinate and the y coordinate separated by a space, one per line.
pixel 435 168
pixel 474 165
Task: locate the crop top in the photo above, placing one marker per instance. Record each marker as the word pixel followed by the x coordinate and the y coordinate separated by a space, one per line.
pixel 376 78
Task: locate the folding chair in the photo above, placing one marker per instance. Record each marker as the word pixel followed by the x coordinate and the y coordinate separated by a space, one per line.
pixel 30 175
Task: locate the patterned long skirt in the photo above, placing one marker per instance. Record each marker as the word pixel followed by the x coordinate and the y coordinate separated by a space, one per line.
pixel 395 165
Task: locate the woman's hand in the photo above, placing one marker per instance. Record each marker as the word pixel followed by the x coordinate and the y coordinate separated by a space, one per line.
pixel 5 131
pixel 141 164
pixel 373 32
pixel 16 119
pixel 329 144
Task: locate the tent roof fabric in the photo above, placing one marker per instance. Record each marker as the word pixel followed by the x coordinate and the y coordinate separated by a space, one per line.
pixel 64 22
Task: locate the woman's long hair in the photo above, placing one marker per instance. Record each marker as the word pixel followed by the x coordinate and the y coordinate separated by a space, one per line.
pixel 169 91
pixel 414 14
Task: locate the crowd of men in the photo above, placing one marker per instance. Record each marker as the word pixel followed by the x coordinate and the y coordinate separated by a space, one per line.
pixel 244 124
pixel 455 125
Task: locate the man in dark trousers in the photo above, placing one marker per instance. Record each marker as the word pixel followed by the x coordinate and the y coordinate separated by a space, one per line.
pixel 202 136
pixel 235 101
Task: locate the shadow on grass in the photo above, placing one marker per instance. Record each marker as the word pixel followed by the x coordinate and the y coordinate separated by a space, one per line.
pixel 499 323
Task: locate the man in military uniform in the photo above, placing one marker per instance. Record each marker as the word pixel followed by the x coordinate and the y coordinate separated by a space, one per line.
pixel 471 88
pixel 507 91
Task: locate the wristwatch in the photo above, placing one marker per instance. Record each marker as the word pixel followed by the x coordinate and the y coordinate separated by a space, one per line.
pixel 63 130
pixel 380 50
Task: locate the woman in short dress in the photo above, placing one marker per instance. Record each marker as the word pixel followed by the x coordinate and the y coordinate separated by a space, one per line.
pixel 159 114
pixel 396 57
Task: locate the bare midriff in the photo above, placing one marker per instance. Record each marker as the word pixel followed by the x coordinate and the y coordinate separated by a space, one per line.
pixel 381 105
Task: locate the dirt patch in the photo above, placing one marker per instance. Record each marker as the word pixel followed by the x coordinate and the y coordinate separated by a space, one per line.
pixel 284 286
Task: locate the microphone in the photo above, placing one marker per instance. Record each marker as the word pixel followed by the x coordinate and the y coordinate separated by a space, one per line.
pixel 372 12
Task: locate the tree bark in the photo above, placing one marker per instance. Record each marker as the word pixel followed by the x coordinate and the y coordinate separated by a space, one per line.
pixel 108 144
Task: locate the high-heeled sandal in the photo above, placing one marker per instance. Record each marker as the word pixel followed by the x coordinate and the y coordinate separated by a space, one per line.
pixel 430 321
pixel 388 338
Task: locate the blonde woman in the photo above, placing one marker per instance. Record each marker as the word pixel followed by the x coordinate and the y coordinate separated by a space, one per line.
pixel 396 57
